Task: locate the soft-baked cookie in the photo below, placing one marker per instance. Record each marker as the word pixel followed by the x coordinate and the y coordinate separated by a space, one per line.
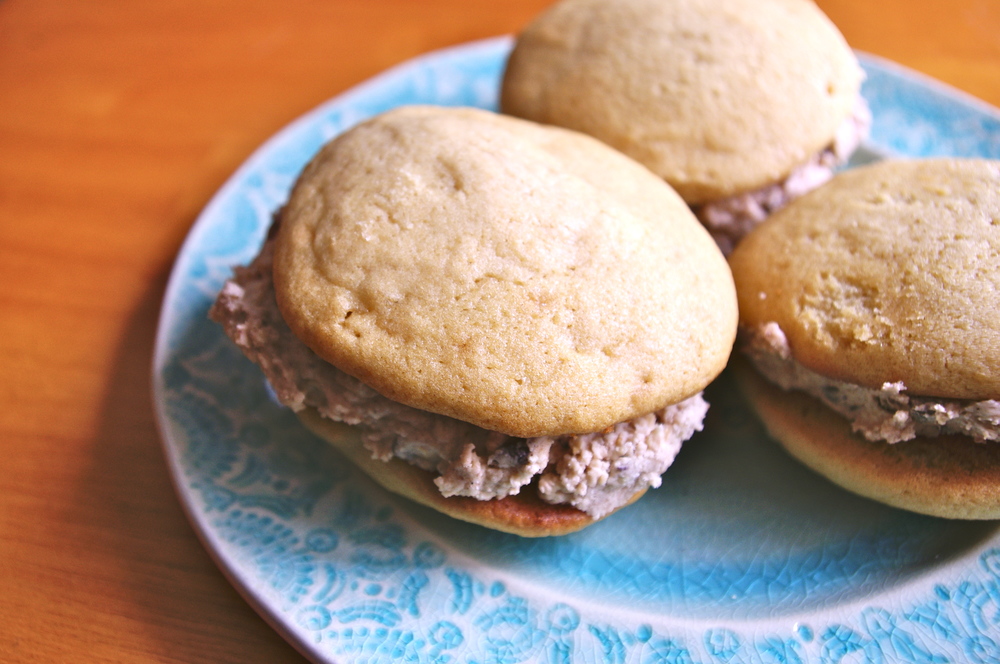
pixel 522 278
pixel 503 304
pixel 877 295
pixel 740 105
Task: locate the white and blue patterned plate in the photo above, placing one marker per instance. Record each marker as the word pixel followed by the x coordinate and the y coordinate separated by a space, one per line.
pixel 742 556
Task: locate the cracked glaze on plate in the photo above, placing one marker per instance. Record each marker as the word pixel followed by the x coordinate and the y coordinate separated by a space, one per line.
pixel 742 556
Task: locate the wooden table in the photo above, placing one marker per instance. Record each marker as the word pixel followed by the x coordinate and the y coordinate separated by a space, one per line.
pixel 118 121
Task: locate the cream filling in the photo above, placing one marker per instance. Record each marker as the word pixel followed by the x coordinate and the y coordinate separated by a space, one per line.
pixel 599 470
pixel 729 219
pixel 887 413
pixel 596 473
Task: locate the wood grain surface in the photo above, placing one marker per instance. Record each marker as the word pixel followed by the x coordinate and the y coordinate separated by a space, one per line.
pixel 118 121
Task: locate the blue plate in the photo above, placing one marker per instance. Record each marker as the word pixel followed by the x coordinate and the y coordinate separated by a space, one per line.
pixel 742 556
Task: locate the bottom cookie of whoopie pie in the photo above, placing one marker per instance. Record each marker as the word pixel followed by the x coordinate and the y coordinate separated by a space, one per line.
pixel 523 514
pixel 949 476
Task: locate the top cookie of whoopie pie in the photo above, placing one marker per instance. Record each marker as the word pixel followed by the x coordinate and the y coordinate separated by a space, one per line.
pixel 715 96
pixel 526 279
pixel 888 273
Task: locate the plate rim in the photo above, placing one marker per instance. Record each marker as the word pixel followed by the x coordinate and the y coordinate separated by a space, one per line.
pixel 928 82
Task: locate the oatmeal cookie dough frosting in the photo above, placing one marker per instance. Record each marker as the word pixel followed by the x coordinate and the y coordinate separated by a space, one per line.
pixel 528 280
pixel 888 413
pixel 718 97
pixel 888 273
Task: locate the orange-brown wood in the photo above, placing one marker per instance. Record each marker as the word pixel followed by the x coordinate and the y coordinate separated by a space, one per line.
pixel 118 121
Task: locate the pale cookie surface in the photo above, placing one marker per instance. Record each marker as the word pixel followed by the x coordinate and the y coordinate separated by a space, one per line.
pixel 526 279
pixel 890 272
pixel 718 97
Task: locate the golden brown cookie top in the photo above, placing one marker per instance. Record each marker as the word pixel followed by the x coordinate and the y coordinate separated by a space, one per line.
pixel 526 279
pixel 718 97
pixel 890 272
